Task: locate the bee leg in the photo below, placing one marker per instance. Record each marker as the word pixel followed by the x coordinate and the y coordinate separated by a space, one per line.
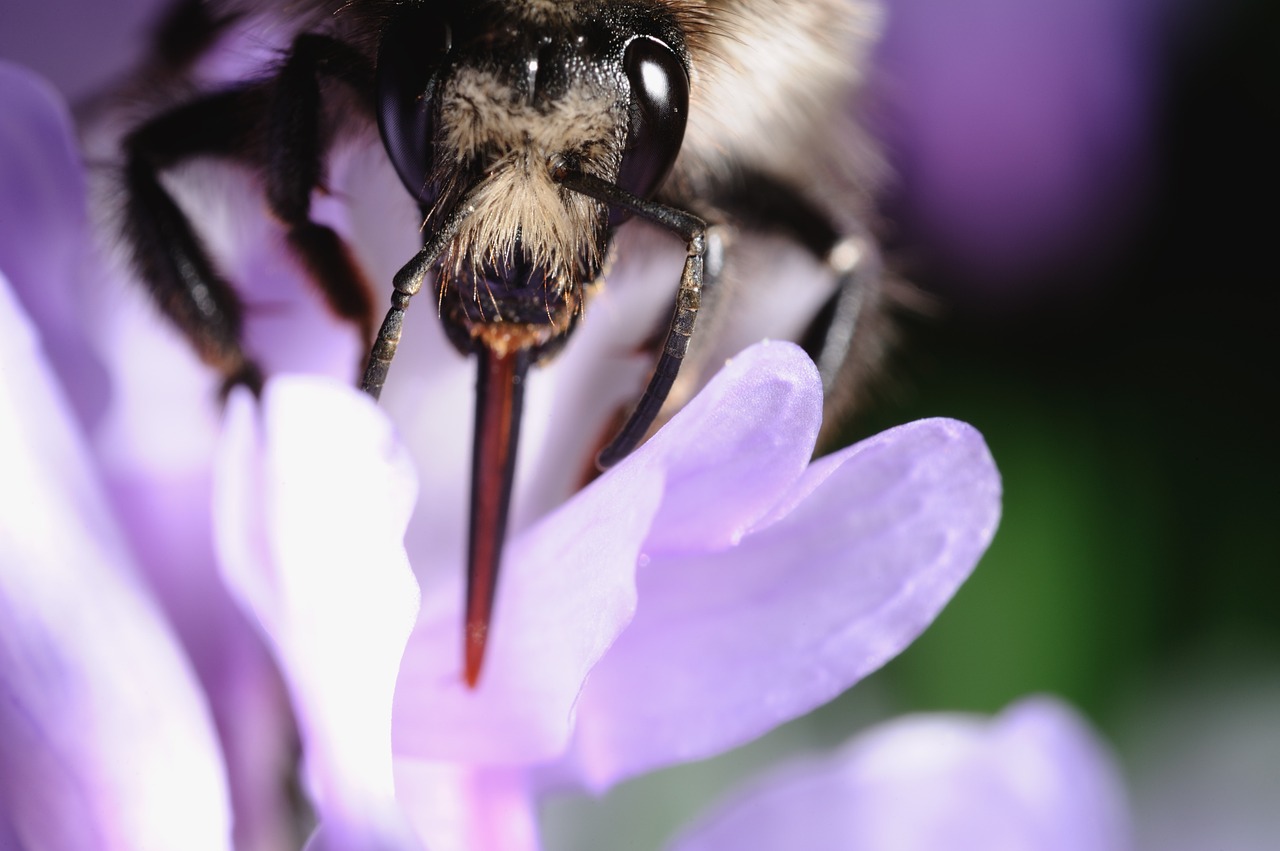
pixel 831 338
pixel 406 284
pixel 693 231
pixel 296 144
pixel 170 257
pixel 758 201
pixel 688 302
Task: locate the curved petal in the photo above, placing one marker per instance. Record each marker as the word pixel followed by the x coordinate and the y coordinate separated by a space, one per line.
pixel 167 516
pixel 1032 779
pixel 852 564
pixel 457 807
pixel 734 449
pixel 105 741
pixel 312 494
pixel 43 197
pixel 567 590
pixel 44 240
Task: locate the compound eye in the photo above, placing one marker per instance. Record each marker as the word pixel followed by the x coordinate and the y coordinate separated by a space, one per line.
pixel 659 110
pixel 411 55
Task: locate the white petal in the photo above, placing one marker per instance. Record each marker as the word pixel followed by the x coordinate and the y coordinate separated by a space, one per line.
pixel 311 498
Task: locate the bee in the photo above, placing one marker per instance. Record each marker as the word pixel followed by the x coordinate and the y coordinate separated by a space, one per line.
pixel 529 133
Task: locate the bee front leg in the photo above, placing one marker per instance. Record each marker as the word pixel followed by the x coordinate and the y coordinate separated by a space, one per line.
pixel 406 284
pixel 693 231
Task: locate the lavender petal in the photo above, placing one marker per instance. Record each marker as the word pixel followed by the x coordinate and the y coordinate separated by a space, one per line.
pixel 849 566
pixel 458 807
pixel 1032 779
pixel 105 740
pixel 312 495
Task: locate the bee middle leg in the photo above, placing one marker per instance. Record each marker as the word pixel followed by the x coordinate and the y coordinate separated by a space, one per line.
pixel 693 231
pixel 277 126
pixel 295 147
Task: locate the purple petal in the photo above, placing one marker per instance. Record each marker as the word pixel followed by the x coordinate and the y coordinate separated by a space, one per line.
pixel 156 473
pixel 567 590
pixel 80 46
pixel 42 201
pixel 105 741
pixel 848 568
pixel 312 495
pixel 568 585
pixel 1033 779
pixel 742 441
pixel 168 517
pixel 457 807
pixel 44 239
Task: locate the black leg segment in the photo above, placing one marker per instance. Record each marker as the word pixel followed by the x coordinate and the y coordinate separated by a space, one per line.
pixel 170 256
pixel 276 125
pixel 758 201
pixel 407 282
pixel 693 231
pixel 296 143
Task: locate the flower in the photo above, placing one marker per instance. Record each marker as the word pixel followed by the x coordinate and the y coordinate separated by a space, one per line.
pixel 1034 778
pixel 712 586
pixel 106 741
pixel 151 462
pixel 1023 133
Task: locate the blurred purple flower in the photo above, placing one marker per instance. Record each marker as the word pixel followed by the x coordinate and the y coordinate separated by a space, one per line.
pixel 711 587
pixel 1022 131
pixel 80 47
pixel 159 496
pixel 1034 778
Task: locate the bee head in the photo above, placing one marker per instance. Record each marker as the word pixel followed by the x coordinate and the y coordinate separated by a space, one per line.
pixel 478 100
